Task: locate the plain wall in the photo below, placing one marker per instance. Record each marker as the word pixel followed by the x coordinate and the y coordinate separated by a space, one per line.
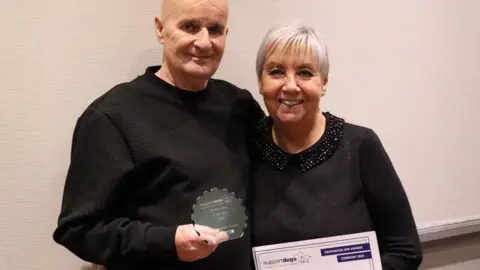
pixel 408 69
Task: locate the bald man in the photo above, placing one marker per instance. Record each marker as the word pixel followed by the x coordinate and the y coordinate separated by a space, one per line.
pixel 144 151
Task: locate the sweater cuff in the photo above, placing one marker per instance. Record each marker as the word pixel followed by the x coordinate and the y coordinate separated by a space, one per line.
pixel 161 242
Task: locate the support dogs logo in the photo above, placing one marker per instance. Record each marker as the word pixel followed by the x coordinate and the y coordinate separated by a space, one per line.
pixel 298 258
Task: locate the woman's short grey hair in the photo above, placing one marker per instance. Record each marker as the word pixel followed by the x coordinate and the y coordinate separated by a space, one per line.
pixel 296 36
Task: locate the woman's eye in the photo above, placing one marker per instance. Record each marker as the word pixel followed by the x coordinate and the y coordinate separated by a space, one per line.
pixel 275 72
pixel 305 74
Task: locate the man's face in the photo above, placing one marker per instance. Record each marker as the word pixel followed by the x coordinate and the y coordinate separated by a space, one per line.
pixel 193 34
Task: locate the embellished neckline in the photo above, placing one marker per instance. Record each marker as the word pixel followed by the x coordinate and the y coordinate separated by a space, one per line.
pixel 307 159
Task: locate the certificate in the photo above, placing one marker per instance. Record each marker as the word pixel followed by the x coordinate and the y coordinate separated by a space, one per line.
pixel 345 252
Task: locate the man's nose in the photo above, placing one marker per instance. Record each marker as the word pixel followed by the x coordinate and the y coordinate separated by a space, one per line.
pixel 203 40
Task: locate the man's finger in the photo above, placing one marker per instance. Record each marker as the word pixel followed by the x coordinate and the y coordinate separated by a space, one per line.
pixel 221 237
pixel 211 239
pixel 205 229
pixel 199 236
pixel 209 235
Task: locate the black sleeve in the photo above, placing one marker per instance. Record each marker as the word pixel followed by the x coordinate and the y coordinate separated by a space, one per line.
pixel 389 208
pixel 92 223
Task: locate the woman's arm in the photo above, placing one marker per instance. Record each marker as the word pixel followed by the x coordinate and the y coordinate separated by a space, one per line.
pixel 389 208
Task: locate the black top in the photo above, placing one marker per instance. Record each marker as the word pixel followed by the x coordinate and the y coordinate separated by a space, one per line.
pixel 141 155
pixel 345 183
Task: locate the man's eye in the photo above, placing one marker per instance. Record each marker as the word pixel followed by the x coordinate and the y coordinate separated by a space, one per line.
pixel 189 27
pixel 216 29
pixel 305 74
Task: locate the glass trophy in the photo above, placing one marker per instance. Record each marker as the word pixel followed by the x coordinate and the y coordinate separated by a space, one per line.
pixel 220 209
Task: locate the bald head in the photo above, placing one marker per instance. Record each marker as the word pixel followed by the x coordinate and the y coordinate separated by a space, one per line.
pixel 193 35
pixel 173 8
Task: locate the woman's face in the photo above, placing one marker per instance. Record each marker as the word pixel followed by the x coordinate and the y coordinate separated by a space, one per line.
pixel 291 85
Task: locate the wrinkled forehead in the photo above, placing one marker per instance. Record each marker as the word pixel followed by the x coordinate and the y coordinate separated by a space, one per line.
pixel 202 10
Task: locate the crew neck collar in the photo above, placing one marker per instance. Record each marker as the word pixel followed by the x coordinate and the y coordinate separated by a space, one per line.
pixel 150 73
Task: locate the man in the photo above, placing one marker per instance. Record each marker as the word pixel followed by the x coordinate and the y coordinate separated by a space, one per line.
pixel 145 150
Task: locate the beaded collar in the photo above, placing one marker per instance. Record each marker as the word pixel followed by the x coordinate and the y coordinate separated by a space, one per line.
pixel 316 154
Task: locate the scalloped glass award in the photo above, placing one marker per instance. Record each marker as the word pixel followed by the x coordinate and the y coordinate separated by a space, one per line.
pixel 220 209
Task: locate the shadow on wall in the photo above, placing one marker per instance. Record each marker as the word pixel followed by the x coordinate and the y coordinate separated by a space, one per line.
pixel 447 252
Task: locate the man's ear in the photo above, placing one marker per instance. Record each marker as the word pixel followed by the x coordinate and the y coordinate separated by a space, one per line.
pixel 159 29
pixel 226 30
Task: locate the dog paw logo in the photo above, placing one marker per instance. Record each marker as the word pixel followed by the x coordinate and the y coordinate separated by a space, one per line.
pixel 302 258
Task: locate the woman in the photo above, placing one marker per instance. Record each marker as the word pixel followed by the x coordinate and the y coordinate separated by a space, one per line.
pixel 320 176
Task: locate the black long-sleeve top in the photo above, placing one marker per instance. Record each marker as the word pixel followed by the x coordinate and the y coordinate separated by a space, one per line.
pixel 345 183
pixel 141 155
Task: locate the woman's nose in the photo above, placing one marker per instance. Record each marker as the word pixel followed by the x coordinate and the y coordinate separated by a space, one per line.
pixel 291 84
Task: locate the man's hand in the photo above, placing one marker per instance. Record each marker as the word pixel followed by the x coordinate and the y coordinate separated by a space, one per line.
pixel 191 246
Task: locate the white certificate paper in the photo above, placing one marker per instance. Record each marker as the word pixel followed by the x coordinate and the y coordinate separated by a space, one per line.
pixel 345 252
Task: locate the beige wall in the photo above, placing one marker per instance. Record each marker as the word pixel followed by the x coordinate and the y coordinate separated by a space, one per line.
pixel 392 61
